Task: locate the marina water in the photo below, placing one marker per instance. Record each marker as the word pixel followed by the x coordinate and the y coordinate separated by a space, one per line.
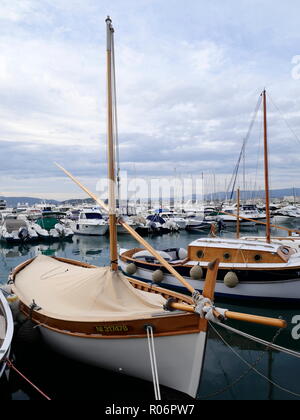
pixel 235 368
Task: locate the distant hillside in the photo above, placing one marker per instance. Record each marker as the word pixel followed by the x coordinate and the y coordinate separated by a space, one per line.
pixel 279 194
pixel 77 201
pixel 275 194
pixel 14 201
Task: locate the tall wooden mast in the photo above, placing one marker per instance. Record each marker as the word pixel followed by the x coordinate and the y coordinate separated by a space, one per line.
pixel 267 189
pixel 111 152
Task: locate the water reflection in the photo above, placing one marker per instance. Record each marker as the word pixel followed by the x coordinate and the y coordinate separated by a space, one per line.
pixel 223 370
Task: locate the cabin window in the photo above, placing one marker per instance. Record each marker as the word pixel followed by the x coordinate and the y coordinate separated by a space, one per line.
pixel 227 256
pixel 257 257
pixel 92 216
pixel 285 251
pixel 200 253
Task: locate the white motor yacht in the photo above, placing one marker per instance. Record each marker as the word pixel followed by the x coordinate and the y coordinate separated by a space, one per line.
pixel 90 222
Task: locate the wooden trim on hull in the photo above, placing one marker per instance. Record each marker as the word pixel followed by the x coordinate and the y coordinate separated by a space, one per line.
pixel 181 324
pixel 64 260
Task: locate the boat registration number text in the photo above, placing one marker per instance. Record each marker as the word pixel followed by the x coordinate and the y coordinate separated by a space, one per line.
pixel 112 329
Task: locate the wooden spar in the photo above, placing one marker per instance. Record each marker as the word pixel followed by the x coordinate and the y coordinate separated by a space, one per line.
pixel 211 280
pixel 111 154
pixel 238 215
pixel 157 256
pixel 254 319
pixel 262 223
pixel 261 320
pixel 266 160
pixel 209 291
pixel 145 244
pixel 92 195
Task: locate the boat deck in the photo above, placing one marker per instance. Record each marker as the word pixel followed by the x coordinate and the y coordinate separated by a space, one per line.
pixel 236 244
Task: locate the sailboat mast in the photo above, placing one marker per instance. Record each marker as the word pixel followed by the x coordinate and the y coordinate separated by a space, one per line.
pixel 111 153
pixel 267 190
pixel 238 224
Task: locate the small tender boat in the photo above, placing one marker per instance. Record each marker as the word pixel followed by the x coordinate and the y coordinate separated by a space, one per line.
pixel 6 331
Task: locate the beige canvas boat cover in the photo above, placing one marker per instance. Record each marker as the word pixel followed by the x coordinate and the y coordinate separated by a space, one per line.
pixel 69 292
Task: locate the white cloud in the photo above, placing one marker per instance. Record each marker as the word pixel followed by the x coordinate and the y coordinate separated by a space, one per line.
pixel 188 80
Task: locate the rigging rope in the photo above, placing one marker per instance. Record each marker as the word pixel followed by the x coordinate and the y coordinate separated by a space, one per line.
pixel 153 361
pixel 284 119
pixel 236 169
pixel 257 163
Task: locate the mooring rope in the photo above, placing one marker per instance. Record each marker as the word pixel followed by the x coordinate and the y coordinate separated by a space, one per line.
pixel 263 342
pixel 11 366
pixel 153 361
pixel 252 367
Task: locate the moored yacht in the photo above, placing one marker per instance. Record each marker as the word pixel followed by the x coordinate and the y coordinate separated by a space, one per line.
pixel 2 204
pixel 17 229
pixel 248 269
pixel 227 215
pixel 286 215
pixel 90 222
pixel 174 218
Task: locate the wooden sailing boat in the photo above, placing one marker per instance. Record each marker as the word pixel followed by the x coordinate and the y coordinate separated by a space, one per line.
pixel 249 268
pixel 99 316
pixel 6 331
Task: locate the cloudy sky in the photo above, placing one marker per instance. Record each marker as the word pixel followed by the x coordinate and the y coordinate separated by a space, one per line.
pixel 189 75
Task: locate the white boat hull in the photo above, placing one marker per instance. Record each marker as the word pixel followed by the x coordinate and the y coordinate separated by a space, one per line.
pixel 283 219
pixel 90 230
pixel 6 331
pixel 122 230
pixel 179 358
pixel 285 290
